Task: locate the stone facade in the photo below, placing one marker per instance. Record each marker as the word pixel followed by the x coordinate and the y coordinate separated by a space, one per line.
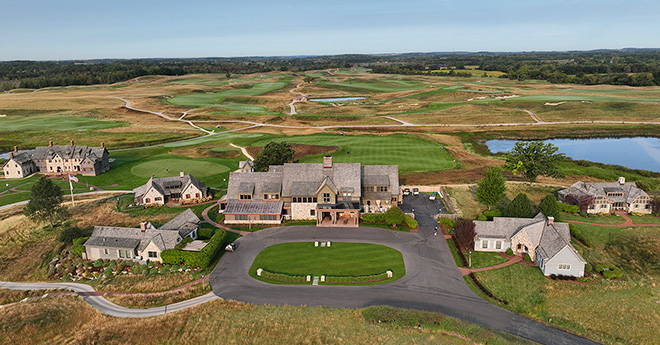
pixel 58 159
pixel 607 197
pixel 303 211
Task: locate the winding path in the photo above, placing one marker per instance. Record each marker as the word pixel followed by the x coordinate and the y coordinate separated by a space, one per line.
pixel 296 100
pixel 534 117
pixel 243 150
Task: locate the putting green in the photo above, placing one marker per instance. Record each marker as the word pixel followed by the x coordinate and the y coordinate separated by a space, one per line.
pixel 340 259
pixel 172 167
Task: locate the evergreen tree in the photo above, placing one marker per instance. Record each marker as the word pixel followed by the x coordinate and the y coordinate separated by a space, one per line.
pixel 273 154
pixel 549 206
pixel 520 207
pixel 45 202
pixel 492 187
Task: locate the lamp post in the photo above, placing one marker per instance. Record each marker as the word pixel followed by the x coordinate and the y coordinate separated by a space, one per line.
pixel 470 259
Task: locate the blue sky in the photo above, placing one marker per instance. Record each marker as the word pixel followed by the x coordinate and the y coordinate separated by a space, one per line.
pixel 67 29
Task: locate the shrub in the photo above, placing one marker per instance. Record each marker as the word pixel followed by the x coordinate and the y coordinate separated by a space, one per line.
pixel 446 224
pixel 410 221
pixel 526 258
pixel 509 251
pixel 577 234
pixel 205 233
pixel 588 268
pixel 195 259
pixel 394 216
pixel 492 213
pixel 614 273
pixel 98 263
pixel 107 271
pixel 78 246
pixel 183 243
pixel 568 208
pixel 520 207
pixel 153 271
pixel 482 217
pixel 70 233
pixel 283 277
pixel 373 217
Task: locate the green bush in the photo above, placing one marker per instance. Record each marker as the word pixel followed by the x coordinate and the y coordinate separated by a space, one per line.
pixel 357 279
pixel 98 263
pixel 568 208
pixel 205 233
pixel 588 268
pixel 283 277
pixel 520 207
pixel 107 271
pixel 78 246
pixel 526 258
pixel 373 217
pixel 575 232
pixel 509 251
pixel 394 216
pixel 482 217
pixel 183 243
pixel 70 233
pixel 410 221
pixel 549 207
pixel 614 273
pixel 153 271
pixel 202 258
pixel 492 213
pixel 446 224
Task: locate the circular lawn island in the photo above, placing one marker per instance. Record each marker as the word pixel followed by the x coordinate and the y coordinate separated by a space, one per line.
pixel 340 263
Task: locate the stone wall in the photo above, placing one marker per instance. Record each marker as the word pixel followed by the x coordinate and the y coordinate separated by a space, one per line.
pixel 301 210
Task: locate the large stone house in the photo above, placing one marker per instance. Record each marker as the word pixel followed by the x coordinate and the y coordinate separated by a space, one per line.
pixel 57 159
pixel 145 242
pixel 607 197
pixel 162 190
pixel 547 243
pixel 332 194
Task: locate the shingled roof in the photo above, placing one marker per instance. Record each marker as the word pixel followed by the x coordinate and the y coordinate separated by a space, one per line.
pixel 629 189
pixel 186 222
pixel 169 185
pixel 255 183
pixel 310 177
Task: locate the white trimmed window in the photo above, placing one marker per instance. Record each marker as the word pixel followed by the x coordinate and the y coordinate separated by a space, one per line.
pixel 106 251
pixel 484 244
pixel 564 266
pixel 153 255
pixel 498 244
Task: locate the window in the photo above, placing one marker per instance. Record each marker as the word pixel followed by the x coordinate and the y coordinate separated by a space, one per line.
pixel 241 217
pixel 147 200
pixel 381 188
pixel 312 212
pixel 601 206
pixel 484 244
pixel 153 255
pixel 498 244
pixel 121 253
pixel 158 198
pixel 245 197
pixel 187 196
pixel 196 195
pixel 564 266
pixel 106 251
pixel 326 198
pixel 314 199
pixel 268 217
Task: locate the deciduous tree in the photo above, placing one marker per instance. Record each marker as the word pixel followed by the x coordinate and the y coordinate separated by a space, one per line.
pixel 492 187
pixel 273 153
pixel 45 202
pixel 394 216
pixel 465 233
pixel 533 159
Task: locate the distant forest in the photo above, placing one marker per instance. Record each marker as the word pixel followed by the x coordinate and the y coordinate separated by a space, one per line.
pixel 634 67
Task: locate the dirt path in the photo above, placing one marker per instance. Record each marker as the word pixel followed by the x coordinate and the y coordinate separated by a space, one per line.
pixel 300 98
pixel 533 116
pixel 245 152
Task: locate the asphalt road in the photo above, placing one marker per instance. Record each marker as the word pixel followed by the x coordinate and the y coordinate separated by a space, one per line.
pixel 105 306
pixel 432 281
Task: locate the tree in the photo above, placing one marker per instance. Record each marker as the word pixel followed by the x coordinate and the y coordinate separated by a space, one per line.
pixel 273 154
pixel 465 233
pixel 549 206
pixel 45 202
pixel 520 207
pixel 491 188
pixel 309 79
pixel 70 233
pixel 394 216
pixel 533 159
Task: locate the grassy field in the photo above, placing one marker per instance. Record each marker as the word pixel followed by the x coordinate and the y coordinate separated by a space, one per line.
pixel 411 153
pixel 485 259
pixel 340 259
pixel 55 122
pixel 579 308
pixel 71 320
pixel 172 167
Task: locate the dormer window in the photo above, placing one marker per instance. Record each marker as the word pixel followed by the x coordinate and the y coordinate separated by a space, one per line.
pixel 245 196
pixel 271 196
pixel 381 188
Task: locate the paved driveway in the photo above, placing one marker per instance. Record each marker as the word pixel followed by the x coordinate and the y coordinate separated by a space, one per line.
pixel 425 210
pixel 432 281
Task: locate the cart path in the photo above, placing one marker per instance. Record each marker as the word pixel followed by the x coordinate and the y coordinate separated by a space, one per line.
pixel 533 116
pixel 296 100
pixel 245 152
pixel 207 218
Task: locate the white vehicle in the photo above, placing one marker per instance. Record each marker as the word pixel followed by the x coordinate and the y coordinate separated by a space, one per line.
pixel 406 191
pixel 432 196
pixel 415 191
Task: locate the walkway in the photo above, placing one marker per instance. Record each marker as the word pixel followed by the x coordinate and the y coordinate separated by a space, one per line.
pixel 627 222
pixel 295 100
pixel 243 150
pixel 205 215
pixel 516 259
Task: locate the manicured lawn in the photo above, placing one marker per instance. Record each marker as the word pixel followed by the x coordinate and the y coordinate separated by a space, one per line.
pixel 55 122
pixel 454 253
pixel 172 167
pixel 379 85
pixel 485 259
pixel 604 219
pixel 645 219
pixel 411 153
pixel 340 259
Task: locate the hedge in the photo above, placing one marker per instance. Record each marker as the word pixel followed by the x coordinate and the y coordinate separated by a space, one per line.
pixel 283 277
pixel 609 271
pixel 373 217
pixel 492 213
pixel 202 258
pixel 568 208
pixel 356 279
pixel 205 233
pixel 575 232
pixel 446 224
pixel 78 246
pixel 410 221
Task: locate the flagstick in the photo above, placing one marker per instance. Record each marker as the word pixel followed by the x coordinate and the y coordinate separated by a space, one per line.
pixel 73 203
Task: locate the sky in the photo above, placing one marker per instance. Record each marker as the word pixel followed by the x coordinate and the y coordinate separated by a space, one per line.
pixel 93 29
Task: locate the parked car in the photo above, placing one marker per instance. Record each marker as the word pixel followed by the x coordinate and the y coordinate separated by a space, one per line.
pixel 231 247
pixel 406 191
pixel 415 191
pixel 432 196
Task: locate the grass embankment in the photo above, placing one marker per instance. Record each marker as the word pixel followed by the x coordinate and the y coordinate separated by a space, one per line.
pixel 158 299
pixel 340 259
pixel 70 319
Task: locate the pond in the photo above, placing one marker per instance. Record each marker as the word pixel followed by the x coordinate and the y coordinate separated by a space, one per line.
pixel 340 99
pixel 635 152
pixel 4 155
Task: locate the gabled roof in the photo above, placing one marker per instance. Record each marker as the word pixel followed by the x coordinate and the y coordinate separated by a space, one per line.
pixel 327 182
pixel 186 222
pixel 109 236
pixel 248 162
pixel 629 189
pixel 169 185
pixel 310 175
pixel 554 242
pixel 257 183
pixel 382 175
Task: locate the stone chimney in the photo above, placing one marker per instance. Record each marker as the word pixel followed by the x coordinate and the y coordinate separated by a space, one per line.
pixel 622 180
pixel 551 220
pixel 11 155
pixel 15 148
pixel 71 142
pixel 143 226
pixel 50 143
pixel 102 145
pixel 181 174
pixel 327 161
